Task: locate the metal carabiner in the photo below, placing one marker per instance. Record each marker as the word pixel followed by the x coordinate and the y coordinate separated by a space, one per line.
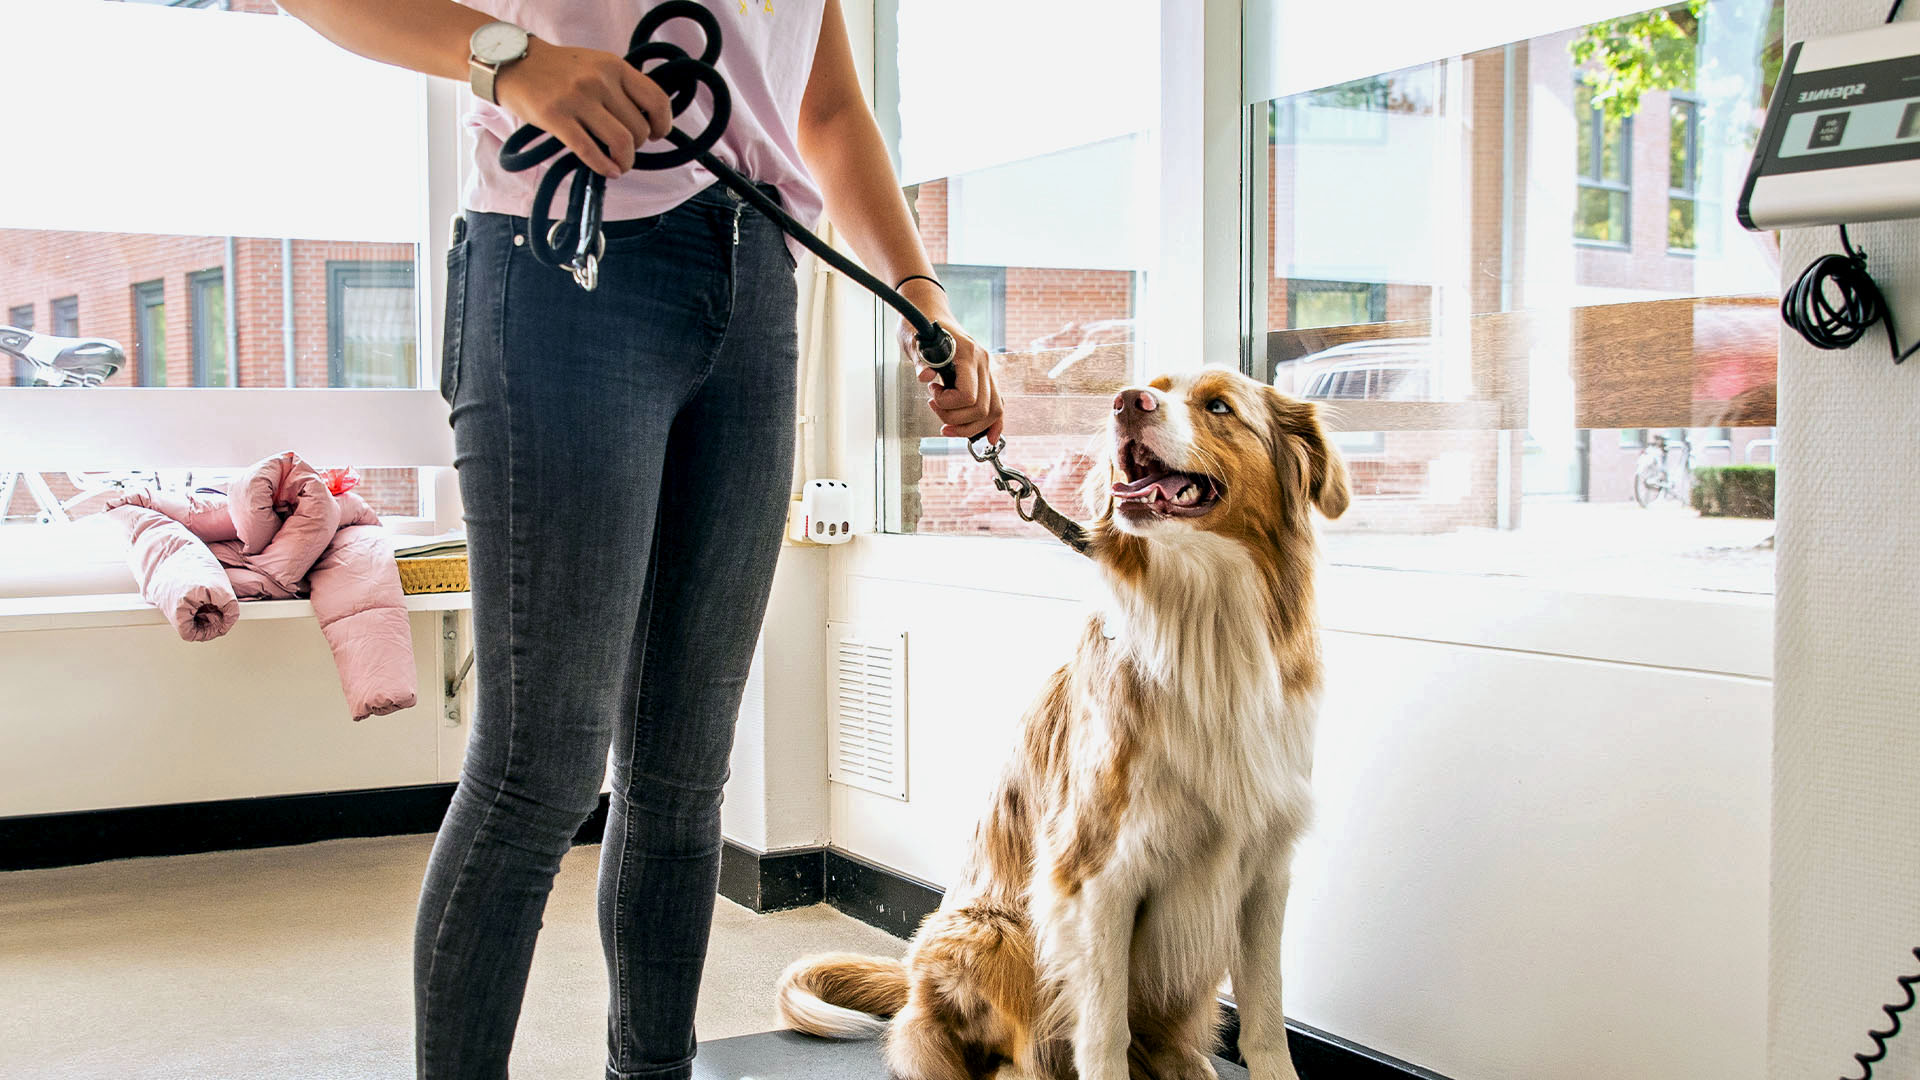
pixel 585 264
pixel 1008 479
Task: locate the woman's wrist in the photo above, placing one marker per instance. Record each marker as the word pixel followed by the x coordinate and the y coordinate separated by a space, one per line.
pixel 927 295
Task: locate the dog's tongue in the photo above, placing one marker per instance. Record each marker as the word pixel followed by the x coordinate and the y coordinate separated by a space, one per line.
pixel 1169 485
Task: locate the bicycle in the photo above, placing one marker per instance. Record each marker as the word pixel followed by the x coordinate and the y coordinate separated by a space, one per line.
pixel 1654 476
pixel 61 362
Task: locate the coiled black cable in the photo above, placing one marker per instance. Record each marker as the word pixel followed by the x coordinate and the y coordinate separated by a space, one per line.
pixel 1880 1038
pixel 681 77
pixel 1826 325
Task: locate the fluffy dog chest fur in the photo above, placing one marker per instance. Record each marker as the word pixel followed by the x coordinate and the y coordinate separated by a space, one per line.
pixel 1182 687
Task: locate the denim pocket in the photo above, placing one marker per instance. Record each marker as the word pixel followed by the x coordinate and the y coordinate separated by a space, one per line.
pixel 453 328
pixel 629 233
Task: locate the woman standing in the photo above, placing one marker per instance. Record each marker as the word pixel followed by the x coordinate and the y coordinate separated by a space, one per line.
pixel 624 457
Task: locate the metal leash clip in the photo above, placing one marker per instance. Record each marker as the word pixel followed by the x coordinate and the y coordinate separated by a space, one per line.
pixel 585 264
pixel 1005 477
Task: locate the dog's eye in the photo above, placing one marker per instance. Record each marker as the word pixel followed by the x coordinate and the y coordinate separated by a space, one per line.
pixel 1219 405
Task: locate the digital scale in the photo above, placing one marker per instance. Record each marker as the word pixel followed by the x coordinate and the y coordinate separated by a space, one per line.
pixel 1842 135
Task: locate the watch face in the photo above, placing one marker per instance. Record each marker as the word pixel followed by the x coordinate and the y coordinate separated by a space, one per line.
pixel 498 42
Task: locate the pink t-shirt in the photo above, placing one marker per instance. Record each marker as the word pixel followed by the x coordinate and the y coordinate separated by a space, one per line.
pixel 766 55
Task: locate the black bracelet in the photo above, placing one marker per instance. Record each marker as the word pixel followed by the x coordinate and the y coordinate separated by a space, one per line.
pixel 921 277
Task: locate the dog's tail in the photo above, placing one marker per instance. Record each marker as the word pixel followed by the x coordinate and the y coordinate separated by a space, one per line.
pixel 841 995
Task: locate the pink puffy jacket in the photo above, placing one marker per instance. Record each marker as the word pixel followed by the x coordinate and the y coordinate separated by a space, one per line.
pixel 278 534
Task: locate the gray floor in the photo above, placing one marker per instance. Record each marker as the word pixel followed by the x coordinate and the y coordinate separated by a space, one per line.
pixel 296 962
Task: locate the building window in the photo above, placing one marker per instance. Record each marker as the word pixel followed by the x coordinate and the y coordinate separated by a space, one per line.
pixel 372 336
pixel 20 318
pixel 66 316
pixel 1603 148
pixel 208 291
pixel 1685 222
pixel 978 297
pixel 150 333
pixel 1334 303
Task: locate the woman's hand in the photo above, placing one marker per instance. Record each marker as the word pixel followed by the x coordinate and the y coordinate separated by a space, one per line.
pixel 972 406
pixel 583 95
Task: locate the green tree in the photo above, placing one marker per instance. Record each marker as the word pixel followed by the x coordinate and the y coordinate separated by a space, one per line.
pixel 1627 57
pixel 1623 58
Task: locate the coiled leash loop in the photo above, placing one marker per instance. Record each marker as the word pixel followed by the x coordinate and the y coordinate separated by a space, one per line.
pixel 575 243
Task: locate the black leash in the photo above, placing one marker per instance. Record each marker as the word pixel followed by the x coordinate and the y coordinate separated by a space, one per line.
pixel 575 242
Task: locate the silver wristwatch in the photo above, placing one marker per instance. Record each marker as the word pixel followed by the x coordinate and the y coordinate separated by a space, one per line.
pixel 492 47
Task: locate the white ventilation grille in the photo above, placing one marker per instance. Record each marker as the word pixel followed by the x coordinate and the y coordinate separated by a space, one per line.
pixel 869 714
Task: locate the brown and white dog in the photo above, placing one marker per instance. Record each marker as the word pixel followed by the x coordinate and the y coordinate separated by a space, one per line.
pixel 1137 848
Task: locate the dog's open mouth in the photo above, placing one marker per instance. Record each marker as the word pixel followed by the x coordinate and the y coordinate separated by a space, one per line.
pixel 1151 487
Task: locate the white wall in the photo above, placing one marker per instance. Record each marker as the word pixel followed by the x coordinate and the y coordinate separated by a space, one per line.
pixel 1526 864
pixel 1846 857
pixel 777 795
pixel 133 716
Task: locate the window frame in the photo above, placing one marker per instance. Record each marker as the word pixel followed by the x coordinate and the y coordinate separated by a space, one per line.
pixel 147 296
pixel 343 274
pixel 199 285
pixel 63 316
pixel 18 370
pixel 1376 296
pixel 995 278
pixel 1592 174
pixel 1689 190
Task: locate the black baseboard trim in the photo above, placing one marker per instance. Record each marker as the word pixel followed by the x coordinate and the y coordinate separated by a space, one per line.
pixel 1320 1055
pixel 41 841
pixel 771 880
pixel 778 880
pixel 878 896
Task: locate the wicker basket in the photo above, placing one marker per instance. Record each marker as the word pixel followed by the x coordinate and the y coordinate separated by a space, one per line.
pixel 433 573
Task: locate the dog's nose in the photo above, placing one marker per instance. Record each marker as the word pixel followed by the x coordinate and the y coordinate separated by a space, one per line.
pixel 1137 399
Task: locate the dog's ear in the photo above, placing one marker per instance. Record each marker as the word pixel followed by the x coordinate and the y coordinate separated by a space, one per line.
pixel 1301 449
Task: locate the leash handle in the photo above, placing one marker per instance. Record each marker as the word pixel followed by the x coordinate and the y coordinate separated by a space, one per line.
pixel 936 351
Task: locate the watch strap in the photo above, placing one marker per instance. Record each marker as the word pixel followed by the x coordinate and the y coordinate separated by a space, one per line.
pixel 480 76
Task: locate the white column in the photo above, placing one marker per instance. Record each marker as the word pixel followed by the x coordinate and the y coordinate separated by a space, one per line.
pixel 1846 820
pixel 1193 301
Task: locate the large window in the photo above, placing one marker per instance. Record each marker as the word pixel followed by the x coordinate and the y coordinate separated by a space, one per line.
pixel 228 269
pixel 1498 387
pixel 1040 228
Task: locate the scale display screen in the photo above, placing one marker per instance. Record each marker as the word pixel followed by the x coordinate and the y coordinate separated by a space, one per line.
pixel 1863 127
pixel 1842 136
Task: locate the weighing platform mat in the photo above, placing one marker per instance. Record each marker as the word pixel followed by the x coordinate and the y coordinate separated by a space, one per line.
pixel 786 1055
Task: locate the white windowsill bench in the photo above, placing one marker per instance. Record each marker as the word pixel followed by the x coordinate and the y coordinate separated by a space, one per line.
pixel 129 609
